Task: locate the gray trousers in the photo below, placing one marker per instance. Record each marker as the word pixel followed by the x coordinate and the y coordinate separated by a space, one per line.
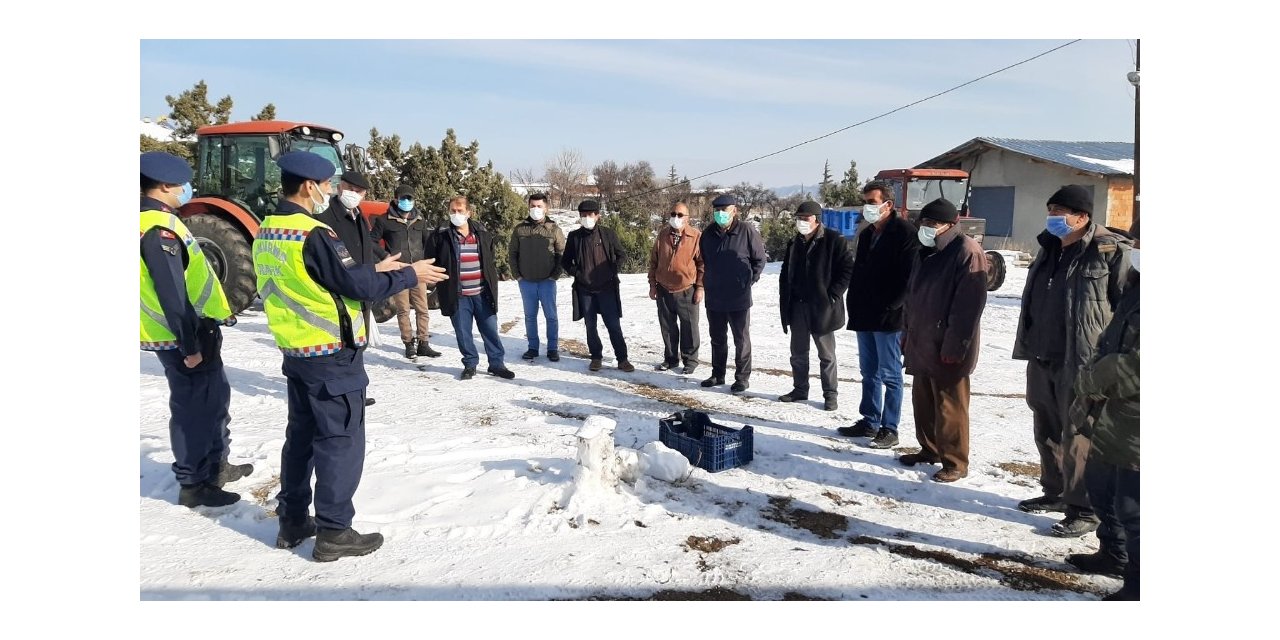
pixel 720 323
pixel 678 320
pixel 801 334
pixel 1063 452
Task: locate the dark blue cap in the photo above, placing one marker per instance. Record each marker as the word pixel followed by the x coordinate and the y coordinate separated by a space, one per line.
pixel 725 200
pixel 306 165
pixel 165 168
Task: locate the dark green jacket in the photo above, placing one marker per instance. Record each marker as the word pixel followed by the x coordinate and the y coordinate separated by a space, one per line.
pixel 1107 389
pixel 535 250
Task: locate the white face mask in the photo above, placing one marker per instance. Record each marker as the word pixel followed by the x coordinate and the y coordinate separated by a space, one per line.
pixel 319 207
pixel 1133 259
pixel 587 222
pixel 458 219
pixel 350 199
pixel 536 214
pixel 871 213
pixel 928 236
pixel 676 223
pixel 804 227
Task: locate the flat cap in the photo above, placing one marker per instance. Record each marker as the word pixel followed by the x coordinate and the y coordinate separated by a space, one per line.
pixel 405 190
pixel 726 200
pixel 588 205
pixel 165 168
pixel 809 208
pixel 306 165
pixel 355 179
pixel 941 210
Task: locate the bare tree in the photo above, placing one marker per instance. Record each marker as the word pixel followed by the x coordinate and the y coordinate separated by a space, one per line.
pixel 608 179
pixel 566 171
pixel 524 176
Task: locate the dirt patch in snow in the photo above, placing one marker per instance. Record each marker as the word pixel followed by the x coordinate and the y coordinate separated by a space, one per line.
pixel 575 348
pixel 262 493
pixel 1021 576
pixel 820 523
pixel 1021 469
pixel 710 544
pixel 670 397
pixel 506 326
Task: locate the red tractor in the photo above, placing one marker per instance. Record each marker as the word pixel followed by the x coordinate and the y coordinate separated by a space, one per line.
pixel 237 183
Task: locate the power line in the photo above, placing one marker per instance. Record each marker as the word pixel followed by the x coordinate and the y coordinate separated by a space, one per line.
pixel 856 124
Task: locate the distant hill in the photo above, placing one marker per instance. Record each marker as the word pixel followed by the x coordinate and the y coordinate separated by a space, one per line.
pixel 793 189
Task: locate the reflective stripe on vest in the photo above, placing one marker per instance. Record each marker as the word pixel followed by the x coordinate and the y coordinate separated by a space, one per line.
pixel 204 292
pixel 303 316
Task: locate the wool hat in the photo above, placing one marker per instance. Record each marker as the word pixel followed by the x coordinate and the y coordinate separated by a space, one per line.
pixel 809 208
pixel 1074 197
pixel 941 210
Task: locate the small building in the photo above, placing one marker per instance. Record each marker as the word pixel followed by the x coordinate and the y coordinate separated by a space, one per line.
pixel 1010 180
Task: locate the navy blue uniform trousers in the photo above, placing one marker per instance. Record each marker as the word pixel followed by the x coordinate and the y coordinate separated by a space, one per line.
pixel 325 435
pixel 199 399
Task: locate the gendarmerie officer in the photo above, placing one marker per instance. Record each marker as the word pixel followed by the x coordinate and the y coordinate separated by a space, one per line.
pixel 182 307
pixel 311 290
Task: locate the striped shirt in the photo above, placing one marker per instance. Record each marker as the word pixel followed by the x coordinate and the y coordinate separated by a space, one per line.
pixel 469 275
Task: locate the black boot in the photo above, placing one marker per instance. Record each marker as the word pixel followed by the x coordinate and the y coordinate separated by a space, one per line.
pixel 411 349
pixel 293 531
pixel 332 544
pixel 1076 524
pixel 1043 504
pixel 1100 562
pixel 860 429
pixel 205 495
pixel 424 349
pixel 231 472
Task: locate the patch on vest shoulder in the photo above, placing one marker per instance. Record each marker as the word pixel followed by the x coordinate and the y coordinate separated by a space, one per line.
pixel 1106 248
pixel 344 255
pixel 171 249
pixel 332 234
pixel 167 235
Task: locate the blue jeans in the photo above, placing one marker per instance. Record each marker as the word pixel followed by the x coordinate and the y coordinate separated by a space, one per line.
pixel 534 293
pixel 479 309
pixel 880 362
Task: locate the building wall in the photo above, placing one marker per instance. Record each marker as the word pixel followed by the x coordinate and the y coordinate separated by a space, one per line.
pixel 1120 203
pixel 1033 182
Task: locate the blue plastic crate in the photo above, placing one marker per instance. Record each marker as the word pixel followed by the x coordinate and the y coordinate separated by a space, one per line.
pixel 706 444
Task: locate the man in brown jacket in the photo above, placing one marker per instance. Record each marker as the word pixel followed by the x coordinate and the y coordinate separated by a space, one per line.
pixel 675 281
pixel 945 298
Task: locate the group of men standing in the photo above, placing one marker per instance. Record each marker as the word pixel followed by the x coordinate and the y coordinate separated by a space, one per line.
pixel 913 293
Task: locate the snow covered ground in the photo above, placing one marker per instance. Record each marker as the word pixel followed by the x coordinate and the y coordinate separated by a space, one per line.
pixel 472 483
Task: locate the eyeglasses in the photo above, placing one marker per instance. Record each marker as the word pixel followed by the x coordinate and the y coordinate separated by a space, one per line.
pixel 677 214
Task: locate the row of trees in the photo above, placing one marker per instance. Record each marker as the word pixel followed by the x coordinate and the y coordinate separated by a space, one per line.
pixel 191 110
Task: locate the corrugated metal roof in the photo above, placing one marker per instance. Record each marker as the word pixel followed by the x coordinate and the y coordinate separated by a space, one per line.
pixel 1104 158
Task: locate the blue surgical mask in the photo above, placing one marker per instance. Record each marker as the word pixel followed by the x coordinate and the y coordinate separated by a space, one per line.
pixel 1057 225
pixel 405 204
pixel 928 236
pixel 722 218
pixel 185 196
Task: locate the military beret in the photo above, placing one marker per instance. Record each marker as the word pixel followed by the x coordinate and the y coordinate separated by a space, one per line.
pixel 404 190
pixel 725 200
pixel 941 210
pixel 165 168
pixel 589 205
pixel 355 179
pixel 306 165
pixel 809 208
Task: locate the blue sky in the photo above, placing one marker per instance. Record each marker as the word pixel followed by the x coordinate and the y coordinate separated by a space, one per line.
pixel 699 104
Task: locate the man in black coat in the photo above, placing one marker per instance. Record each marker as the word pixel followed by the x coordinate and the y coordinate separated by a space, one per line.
pixel 591 255
pixel 346 219
pixel 815 275
pixel 466 250
pixel 887 249
pixel 733 253
pixel 404 230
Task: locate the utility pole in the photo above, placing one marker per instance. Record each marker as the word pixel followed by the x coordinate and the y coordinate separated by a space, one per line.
pixel 1137 140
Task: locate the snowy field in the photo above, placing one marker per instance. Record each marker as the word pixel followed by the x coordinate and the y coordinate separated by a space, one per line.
pixel 472 483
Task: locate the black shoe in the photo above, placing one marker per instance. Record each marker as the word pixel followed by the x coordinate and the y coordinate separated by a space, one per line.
pixel 913 459
pixel 595 364
pixel 690 368
pixel 294 531
pixel 1075 525
pixel 468 373
pixel 665 366
pixel 332 544
pixel 502 372
pixel 1099 562
pixel 231 473
pixel 739 386
pixel 530 354
pixel 205 495
pixel 553 356
pixel 1123 594
pixel 1043 504
pixel 626 366
pixel 411 349
pixel 424 349
pixel 860 429
pixel 713 381
pixel 793 396
pixel 829 402
pixel 884 439
pixel 368 402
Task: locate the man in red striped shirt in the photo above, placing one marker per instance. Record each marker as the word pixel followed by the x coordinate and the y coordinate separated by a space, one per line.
pixel 466 250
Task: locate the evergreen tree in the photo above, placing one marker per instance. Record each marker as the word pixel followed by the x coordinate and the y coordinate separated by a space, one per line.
pixel 180 149
pixel 268 112
pixel 826 189
pixel 192 110
pixel 384 157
